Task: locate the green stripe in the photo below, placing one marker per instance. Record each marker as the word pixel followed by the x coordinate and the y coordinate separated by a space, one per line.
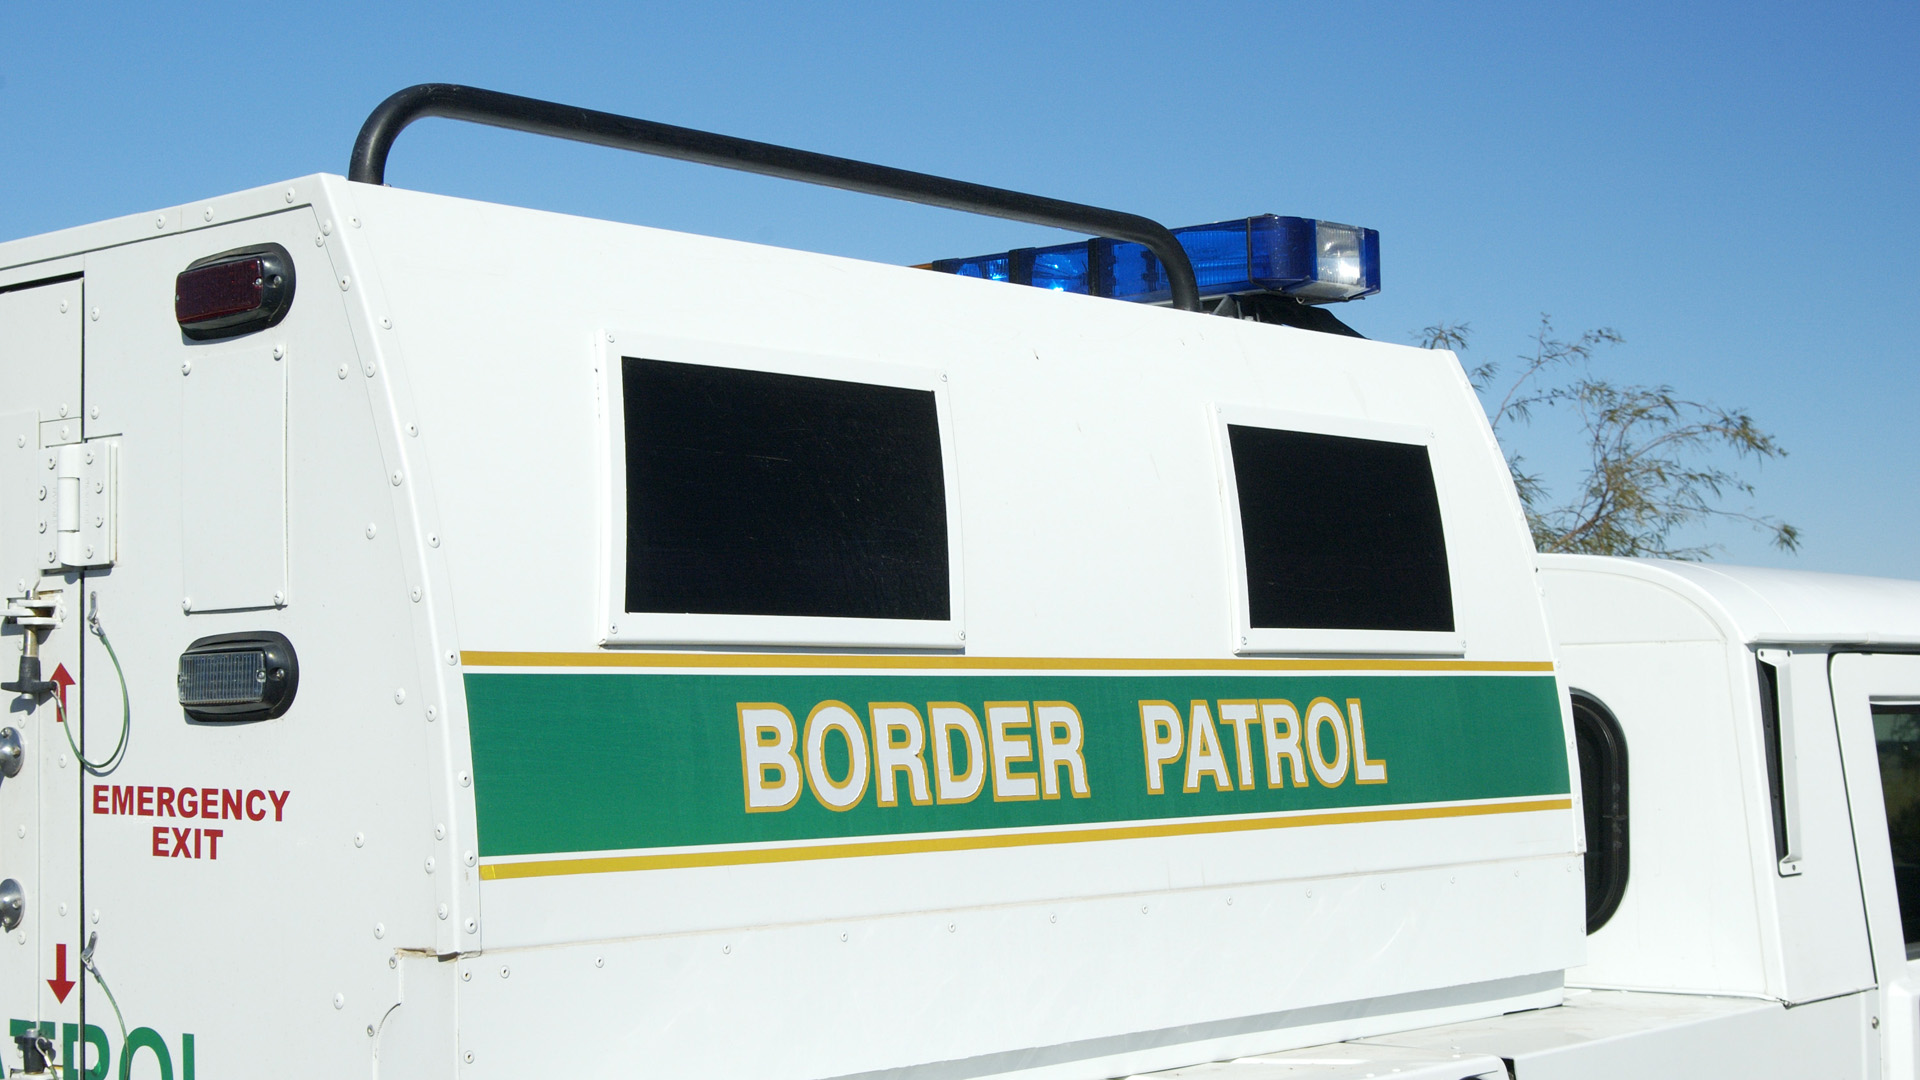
pixel 582 762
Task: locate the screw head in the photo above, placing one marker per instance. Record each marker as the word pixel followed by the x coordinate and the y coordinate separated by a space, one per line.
pixel 186 367
pixel 359 839
pixel 442 912
pixel 339 1001
pixel 379 930
pixel 472 926
pixel 400 696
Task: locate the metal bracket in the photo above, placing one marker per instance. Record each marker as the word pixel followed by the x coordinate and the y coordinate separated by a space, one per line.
pixel 76 495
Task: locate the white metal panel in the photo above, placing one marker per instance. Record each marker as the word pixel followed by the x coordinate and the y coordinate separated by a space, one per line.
pixel 1595 603
pixel 40 350
pixel 233 476
pixel 298 918
pixel 1782 607
pixel 1085 454
pixel 1691 917
pixel 1602 1035
pixel 24 542
pixel 1208 972
pixel 1348 1061
pixel 1858 681
pixel 1823 930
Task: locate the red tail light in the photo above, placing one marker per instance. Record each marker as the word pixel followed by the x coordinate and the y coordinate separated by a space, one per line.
pixel 233 293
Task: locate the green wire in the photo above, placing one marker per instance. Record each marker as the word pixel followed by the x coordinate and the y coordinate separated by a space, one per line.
pixel 126 723
pixel 88 963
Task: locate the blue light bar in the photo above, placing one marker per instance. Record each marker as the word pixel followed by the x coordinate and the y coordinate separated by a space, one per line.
pixel 1316 262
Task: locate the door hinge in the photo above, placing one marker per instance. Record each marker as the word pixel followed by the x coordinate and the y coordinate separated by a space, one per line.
pixel 76 496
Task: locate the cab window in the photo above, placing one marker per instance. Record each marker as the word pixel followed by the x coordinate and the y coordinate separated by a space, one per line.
pixel 1896 735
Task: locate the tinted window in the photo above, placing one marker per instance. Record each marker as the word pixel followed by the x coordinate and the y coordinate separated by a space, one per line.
pixel 750 493
pixel 1602 747
pixel 1896 732
pixel 1340 533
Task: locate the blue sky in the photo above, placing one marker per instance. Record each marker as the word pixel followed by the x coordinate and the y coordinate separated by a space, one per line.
pixel 1730 186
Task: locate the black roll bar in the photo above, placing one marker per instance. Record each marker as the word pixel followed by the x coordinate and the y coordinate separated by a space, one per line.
pixel 474 105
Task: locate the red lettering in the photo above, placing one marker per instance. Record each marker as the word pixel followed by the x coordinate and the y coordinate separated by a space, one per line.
pixel 180 844
pixel 196 843
pixel 99 798
pixel 189 802
pixel 230 803
pixel 122 799
pixel 145 803
pixel 251 796
pixel 279 802
pixel 213 842
pixel 160 841
pixel 163 802
pixel 207 797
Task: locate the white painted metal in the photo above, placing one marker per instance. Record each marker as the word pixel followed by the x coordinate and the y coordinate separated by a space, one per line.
pixel 1860 680
pixel 418 465
pixel 1600 1035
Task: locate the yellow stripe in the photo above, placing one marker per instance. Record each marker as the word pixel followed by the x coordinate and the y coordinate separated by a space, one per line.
pixel 998 663
pixel 739 857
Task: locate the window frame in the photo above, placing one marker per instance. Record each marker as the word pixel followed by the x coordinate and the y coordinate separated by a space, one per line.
pixel 618 626
pixel 1618 849
pixel 1248 639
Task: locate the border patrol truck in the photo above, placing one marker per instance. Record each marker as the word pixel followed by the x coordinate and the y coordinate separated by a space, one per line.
pixel 458 640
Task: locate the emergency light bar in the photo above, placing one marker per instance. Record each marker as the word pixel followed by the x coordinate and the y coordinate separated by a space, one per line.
pixel 1315 262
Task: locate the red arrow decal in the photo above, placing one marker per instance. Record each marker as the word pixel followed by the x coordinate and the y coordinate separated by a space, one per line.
pixel 62 986
pixel 64 680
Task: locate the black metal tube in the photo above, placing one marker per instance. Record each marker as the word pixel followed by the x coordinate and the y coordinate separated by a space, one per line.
pixel 474 105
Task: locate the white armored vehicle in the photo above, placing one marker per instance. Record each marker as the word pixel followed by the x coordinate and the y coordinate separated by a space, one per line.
pixel 463 641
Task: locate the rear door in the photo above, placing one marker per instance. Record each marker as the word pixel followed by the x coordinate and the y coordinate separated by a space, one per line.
pixel 1876 699
pixel 40 806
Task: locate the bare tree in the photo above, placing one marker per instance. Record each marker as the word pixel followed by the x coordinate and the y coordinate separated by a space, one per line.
pixel 1649 471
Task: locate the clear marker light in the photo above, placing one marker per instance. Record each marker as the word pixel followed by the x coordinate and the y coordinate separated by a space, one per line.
pixel 238 677
pixel 1317 262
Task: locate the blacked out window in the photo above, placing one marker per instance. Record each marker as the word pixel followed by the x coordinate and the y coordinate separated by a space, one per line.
pixel 1340 533
pixel 754 493
pixel 1896 735
pixel 1602 747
